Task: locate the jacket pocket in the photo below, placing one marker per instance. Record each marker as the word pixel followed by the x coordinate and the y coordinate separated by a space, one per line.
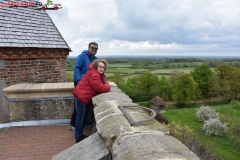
pixel 88 95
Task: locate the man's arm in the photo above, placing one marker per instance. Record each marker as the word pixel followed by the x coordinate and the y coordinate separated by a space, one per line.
pixel 78 67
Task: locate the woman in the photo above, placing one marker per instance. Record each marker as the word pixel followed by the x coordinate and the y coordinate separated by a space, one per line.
pixel 92 83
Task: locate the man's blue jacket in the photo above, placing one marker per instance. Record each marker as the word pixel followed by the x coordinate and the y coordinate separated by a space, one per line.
pixel 81 65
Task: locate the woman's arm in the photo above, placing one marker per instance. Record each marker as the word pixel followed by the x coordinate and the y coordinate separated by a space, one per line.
pixel 98 85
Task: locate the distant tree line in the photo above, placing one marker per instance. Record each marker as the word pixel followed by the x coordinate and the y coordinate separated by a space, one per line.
pixel 202 82
pixel 158 63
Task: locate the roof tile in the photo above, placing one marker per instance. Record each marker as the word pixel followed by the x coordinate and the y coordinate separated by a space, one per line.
pixel 22 27
pixel 14 44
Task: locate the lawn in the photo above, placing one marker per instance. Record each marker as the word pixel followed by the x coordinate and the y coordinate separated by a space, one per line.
pixel 69 76
pixel 187 116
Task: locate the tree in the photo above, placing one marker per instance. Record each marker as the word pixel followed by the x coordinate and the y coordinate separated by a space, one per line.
pixel 165 89
pixel 148 81
pixel 117 78
pixel 165 65
pixel 223 71
pixel 185 65
pixel 201 75
pixel 185 88
pixel 214 86
pixel 229 79
pixel 132 88
pixel 142 87
pixel 235 82
pixel 135 63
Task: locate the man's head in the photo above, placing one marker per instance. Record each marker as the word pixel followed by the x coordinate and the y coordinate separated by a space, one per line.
pixel 92 48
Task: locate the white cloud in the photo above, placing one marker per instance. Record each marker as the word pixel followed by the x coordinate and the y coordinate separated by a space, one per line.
pixel 174 27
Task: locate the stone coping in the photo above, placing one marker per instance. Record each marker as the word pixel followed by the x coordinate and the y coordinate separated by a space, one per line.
pixel 40 90
pixel 39 87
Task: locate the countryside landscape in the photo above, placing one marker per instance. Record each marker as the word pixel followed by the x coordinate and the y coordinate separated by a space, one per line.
pixel 189 86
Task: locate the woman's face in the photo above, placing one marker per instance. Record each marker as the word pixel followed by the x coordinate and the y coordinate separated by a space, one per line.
pixel 101 68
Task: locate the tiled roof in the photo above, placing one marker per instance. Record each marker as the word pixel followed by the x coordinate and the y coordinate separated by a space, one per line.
pixel 28 27
pixel 157 101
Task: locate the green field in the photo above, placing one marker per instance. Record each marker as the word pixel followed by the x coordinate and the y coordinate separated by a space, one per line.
pixel 125 70
pixel 128 72
pixel 187 63
pixel 131 72
pixel 70 76
pixel 175 70
pixel 114 65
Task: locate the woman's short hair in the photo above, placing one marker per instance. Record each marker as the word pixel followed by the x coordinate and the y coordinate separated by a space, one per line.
pixel 96 62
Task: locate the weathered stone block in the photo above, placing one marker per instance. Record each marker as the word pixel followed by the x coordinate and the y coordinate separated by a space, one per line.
pixel 112 124
pixel 148 140
pixel 41 101
pixel 41 109
pixel 151 146
pixel 109 96
pixel 91 148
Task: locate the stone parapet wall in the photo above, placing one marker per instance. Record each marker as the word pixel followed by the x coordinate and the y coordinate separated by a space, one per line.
pixel 145 141
pixel 33 65
pixel 41 101
pixel 149 140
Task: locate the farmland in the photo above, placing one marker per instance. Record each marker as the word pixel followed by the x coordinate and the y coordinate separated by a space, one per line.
pixel 130 67
pixel 131 72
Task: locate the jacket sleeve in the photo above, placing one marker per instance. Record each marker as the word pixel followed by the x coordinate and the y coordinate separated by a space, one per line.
pixel 78 67
pixel 98 84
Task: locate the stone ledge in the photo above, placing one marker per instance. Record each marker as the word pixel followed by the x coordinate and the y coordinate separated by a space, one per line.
pixel 91 148
pixel 39 101
pixel 34 90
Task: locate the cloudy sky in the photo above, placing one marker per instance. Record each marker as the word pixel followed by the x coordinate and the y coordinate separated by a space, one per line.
pixel 151 27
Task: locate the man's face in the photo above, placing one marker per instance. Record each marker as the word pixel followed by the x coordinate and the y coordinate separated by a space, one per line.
pixel 93 49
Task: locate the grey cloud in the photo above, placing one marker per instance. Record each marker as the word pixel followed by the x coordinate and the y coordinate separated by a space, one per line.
pixel 165 22
pixel 192 24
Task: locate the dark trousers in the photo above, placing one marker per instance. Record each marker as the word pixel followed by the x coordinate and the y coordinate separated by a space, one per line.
pixel 83 114
pixel 73 118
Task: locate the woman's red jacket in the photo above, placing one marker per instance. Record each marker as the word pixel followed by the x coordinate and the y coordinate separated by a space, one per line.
pixel 91 84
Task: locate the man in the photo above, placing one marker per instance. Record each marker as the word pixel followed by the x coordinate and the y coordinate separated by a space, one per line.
pixel 80 68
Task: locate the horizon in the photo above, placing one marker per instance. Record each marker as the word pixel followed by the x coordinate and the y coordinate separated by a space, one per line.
pixel 170 56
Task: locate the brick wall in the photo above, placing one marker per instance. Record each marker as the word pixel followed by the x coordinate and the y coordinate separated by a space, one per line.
pixel 33 65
